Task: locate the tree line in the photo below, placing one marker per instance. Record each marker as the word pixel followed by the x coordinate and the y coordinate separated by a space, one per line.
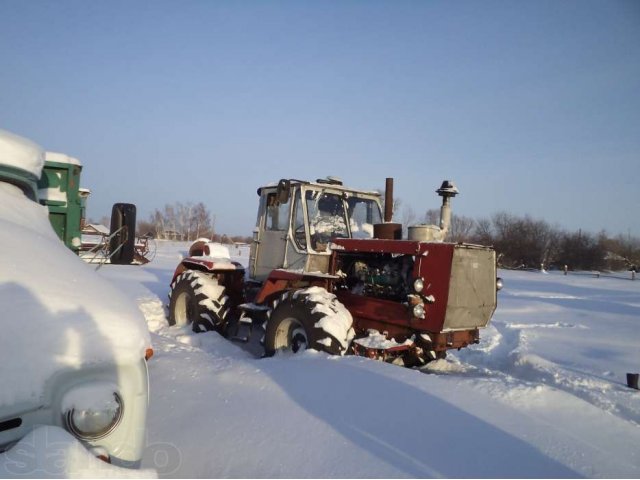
pixel 185 222
pixel 520 241
pixel 526 242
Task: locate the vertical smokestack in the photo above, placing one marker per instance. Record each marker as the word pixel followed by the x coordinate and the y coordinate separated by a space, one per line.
pixel 388 200
pixel 388 230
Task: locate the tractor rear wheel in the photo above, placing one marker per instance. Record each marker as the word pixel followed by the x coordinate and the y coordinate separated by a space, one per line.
pixel 310 318
pixel 198 300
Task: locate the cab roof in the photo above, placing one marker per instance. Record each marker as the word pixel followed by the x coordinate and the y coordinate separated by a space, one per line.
pixel 329 182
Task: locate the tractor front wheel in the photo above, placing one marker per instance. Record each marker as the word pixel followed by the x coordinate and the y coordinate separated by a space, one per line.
pixel 198 300
pixel 310 318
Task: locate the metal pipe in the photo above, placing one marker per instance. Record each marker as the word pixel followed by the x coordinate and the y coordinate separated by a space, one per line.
pixel 388 200
pixel 445 217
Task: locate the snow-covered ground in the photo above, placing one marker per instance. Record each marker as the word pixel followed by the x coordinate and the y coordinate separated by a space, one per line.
pixel 543 395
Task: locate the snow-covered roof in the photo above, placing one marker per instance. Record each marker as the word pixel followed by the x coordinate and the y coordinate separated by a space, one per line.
pixel 61 158
pixel 97 228
pixel 21 153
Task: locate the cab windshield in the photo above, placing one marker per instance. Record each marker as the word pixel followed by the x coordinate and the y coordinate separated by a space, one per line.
pixel 334 215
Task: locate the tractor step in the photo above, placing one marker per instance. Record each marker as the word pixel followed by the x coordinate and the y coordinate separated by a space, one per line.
pixel 244 326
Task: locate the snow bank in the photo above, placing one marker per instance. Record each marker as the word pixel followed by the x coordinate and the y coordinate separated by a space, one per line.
pixel 50 452
pixel 375 339
pixel 19 152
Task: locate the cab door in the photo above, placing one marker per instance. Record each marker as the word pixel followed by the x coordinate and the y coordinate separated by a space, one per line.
pixel 270 240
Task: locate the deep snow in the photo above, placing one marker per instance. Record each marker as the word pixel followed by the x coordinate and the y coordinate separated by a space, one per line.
pixel 542 395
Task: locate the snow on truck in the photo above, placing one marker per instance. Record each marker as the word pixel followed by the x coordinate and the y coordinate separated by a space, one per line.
pixel 326 272
pixel 73 350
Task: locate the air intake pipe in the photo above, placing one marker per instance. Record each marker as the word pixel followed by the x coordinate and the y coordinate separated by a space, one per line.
pixel 447 191
pixel 437 233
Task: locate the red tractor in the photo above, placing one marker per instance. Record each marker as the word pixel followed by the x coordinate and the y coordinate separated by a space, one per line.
pixel 325 272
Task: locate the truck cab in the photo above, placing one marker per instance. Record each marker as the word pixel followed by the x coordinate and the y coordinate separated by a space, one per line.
pixel 297 219
pixel 73 359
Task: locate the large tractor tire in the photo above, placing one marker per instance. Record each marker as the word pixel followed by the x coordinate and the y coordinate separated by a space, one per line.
pixel 123 221
pixel 310 318
pixel 198 300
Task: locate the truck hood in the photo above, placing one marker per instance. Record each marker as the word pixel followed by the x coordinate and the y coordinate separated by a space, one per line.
pixel 57 313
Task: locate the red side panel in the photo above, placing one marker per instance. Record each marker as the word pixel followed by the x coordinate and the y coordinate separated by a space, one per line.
pixel 434 266
pixel 382 315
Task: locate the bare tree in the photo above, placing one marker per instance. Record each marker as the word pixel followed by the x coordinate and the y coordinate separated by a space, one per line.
pixel 483 233
pixel 432 216
pixel 183 221
pixel 461 228
pixel 523 241
pixel 202 223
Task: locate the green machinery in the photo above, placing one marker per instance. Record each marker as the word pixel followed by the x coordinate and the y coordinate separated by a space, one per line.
pixel 59 190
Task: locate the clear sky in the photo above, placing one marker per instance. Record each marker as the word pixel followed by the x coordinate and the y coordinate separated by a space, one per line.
pixel 532 107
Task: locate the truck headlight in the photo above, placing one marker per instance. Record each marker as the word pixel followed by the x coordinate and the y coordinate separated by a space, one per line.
pixel 499 283
pixel 418 285
pixel 418 311
pixel 94 416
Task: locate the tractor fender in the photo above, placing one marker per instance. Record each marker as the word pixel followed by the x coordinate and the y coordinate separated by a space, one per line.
pixel 280 280
pixel 207 264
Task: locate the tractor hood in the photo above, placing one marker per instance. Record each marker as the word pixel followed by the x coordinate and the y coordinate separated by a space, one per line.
pixel 57 313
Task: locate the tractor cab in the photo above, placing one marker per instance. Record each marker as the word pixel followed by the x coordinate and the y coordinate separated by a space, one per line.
pixel 297 219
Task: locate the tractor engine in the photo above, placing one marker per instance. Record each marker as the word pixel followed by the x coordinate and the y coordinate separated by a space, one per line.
pixel 382 276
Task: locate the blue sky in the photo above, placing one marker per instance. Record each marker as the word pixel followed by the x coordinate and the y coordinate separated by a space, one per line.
pixel 530 107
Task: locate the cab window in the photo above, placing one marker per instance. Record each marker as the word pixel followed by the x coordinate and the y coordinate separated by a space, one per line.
pixel 299 229
pixel 277 214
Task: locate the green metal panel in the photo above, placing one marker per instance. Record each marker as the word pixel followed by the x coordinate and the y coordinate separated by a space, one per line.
pixel 58 191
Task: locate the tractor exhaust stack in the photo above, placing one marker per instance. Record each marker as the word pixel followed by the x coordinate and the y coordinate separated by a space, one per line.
pixel 388 200
pixel 388 230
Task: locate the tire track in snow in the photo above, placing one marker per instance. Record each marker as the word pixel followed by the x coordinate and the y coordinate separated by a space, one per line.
pixel 505 357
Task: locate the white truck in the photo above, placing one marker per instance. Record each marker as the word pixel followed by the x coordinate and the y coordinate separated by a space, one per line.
pixel 73 349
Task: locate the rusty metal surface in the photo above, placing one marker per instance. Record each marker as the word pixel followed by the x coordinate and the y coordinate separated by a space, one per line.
pixel 404 247
pixel 197 248
pixel 203 263
pixel 282 280
pixel 456 339
pixel 388 231
pixel 388 200
pixel 383 354
pixel 368 312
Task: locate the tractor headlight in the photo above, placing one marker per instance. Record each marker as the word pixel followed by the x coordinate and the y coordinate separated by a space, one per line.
pixel 418 285
pixel 499 283
pixel 91 414
pixel 418 310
